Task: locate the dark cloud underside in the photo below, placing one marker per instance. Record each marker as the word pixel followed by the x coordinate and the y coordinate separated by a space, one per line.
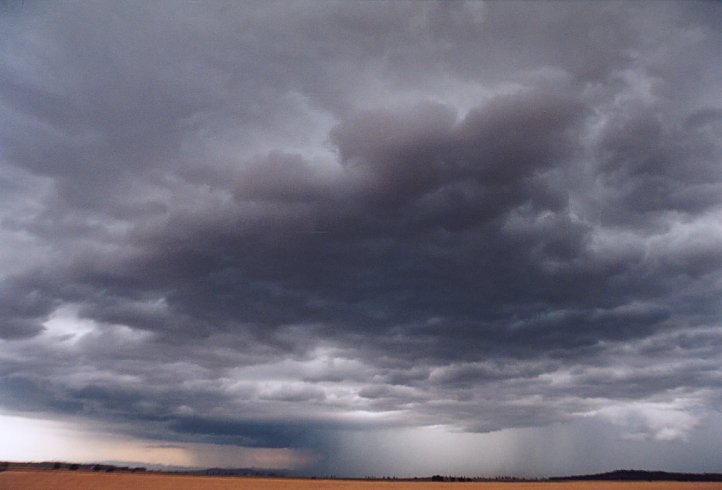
pixel 249 223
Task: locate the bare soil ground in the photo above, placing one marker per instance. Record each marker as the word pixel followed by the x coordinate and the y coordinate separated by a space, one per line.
pixel 77 480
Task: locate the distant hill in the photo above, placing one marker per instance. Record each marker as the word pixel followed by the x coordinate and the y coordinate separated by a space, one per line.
pixel 641 475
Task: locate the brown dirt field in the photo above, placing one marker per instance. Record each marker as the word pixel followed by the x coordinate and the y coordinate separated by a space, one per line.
pixel 75 480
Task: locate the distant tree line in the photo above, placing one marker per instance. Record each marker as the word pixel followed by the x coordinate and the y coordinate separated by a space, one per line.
pixel 58 465
pixel 451 478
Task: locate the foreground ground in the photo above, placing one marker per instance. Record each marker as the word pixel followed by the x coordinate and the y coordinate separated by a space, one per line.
pixel 73 480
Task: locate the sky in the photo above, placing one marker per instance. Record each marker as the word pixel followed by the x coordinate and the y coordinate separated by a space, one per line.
pixel 362 238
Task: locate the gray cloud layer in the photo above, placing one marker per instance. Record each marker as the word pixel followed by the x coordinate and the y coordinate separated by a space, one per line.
pixel 250 223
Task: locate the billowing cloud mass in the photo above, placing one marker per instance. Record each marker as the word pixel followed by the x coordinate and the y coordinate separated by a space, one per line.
pixel 333 229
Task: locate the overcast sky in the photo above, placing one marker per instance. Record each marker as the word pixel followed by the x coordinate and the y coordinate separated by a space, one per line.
pixel 362 238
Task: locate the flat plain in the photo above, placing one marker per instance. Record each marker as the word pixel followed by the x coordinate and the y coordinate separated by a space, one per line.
pixel 75 480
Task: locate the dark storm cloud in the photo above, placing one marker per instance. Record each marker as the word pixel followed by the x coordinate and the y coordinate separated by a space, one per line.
pixel 240 223
pixel 21 310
